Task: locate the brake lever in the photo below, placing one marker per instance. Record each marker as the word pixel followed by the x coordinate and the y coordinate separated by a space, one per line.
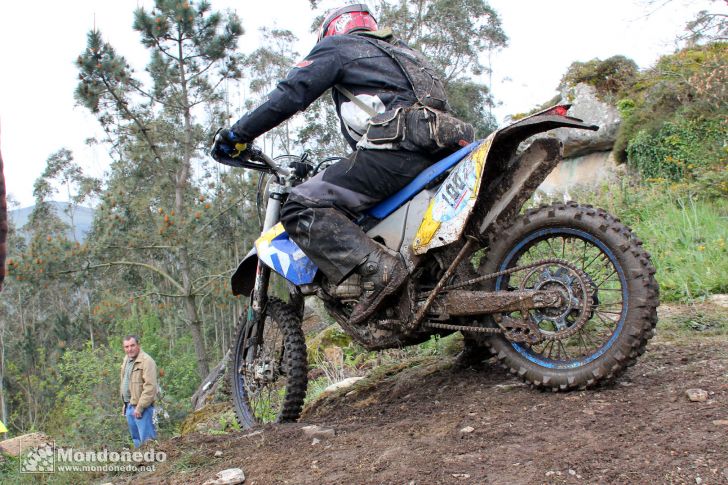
pixel 256 154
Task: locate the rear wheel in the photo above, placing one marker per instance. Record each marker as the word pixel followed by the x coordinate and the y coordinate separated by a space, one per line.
pixel 269 374
pixel 609 295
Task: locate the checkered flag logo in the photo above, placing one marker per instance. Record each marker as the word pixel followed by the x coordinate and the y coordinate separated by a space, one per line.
pixel 40 459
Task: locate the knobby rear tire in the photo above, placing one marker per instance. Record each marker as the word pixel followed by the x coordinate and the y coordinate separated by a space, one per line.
pixel 637 321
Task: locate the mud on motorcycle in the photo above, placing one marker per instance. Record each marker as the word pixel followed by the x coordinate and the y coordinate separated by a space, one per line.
pixel 564 295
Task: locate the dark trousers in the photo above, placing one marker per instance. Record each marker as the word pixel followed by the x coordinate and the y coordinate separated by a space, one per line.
pixel 317 214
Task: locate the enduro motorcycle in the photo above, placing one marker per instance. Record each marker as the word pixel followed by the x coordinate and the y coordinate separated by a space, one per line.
pixel 563 295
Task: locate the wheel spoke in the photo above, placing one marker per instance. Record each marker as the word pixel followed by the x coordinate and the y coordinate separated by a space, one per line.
pixel 612 303
pixel 604 319
pixel 602 275
pixel 551 348
pixel 552 248
pixel 609 312
pixel 586 337
pixel 583 343
pixel 591 262
pixel 607 278
pixel 566 353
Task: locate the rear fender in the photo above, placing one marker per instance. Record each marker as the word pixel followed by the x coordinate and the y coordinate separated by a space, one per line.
pixel 486 170
pixel 511 178
pixel 504 195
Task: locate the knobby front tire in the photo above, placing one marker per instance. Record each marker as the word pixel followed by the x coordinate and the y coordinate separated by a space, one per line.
pixel 269 376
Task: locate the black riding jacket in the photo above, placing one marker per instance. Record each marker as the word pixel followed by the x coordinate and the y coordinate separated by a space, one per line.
pixel 349 60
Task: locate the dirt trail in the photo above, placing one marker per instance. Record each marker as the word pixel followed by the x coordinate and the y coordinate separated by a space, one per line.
pixel 415 427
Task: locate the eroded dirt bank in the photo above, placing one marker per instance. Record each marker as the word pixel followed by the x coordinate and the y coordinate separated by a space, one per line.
pixel 433 423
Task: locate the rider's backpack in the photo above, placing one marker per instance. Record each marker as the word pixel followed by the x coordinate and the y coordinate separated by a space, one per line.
pixel 428 124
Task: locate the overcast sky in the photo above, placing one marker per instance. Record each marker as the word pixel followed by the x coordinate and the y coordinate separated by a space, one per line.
pixel 39 41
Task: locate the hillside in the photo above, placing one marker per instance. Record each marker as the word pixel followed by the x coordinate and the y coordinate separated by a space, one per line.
pixel 431 422
pixel 170 226
pixel 79 225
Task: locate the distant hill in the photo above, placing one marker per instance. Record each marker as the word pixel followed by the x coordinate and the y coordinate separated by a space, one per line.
pixel 82 218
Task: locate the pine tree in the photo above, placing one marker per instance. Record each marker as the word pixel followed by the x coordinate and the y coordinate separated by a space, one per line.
pixel 149 229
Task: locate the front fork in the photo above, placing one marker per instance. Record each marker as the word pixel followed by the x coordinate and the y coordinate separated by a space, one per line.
pixel 259 297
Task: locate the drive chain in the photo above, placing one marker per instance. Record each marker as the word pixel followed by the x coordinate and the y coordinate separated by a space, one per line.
pixel 584 316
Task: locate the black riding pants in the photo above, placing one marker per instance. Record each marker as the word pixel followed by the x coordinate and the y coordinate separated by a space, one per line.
pixel 317 214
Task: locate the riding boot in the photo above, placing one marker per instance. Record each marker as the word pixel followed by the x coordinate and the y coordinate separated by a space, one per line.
pixel 382 275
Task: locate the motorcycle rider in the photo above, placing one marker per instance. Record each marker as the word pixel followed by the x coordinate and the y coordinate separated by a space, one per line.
pixel 374 78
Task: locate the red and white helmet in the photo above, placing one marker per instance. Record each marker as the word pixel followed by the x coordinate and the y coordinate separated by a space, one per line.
pixel 347 19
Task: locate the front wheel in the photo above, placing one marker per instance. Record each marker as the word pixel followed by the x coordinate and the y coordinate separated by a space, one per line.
pixel 269 371
pixel 609 295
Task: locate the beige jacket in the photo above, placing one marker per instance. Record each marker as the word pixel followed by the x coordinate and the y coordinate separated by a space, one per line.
pixel 143 382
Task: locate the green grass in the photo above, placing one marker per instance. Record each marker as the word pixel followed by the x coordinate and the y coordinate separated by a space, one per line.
pixel 356 360
pixel 689 321
pixel 686 235
pixel 688 241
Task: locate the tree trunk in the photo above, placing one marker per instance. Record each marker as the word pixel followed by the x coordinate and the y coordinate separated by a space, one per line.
pixel 182 185
pixel 210 384
pixel 196 328
pixel 3 224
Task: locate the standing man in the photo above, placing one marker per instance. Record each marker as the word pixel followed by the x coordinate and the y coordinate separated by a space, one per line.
pixel 138 390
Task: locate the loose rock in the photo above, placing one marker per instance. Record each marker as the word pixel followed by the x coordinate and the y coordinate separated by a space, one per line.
pixel 697 395
pixel 218 453
pixel 343 384
pixel 231 476
pixel 318 432
pixel 510 386
pixel 16 446
pixel 467 429
pixel 719 300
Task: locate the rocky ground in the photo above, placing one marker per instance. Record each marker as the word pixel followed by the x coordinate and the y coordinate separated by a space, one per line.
pixel 429 422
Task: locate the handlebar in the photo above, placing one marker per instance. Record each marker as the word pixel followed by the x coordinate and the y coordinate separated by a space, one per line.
pixel 257 155
pixel 257 160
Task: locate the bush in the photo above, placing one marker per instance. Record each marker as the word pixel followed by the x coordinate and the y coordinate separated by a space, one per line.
pixel 609 77
pixel 679 150
pixel 691 84
pixel 88 410
pixel 88 406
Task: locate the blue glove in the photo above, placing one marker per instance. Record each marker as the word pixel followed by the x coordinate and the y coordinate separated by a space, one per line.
pixel 229 149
